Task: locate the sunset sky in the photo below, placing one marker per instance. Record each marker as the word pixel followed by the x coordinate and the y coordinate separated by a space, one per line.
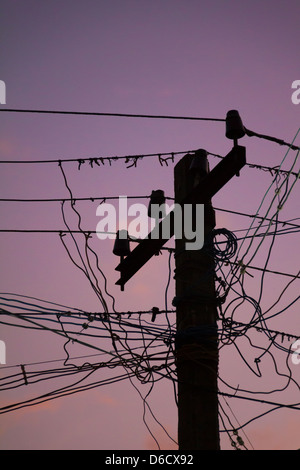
pixel 192 58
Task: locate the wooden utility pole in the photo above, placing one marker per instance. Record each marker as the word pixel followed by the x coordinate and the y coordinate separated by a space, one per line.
pixel 196 340
pixel 196 344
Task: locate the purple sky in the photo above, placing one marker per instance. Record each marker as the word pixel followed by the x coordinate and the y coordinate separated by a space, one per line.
pixel 161 57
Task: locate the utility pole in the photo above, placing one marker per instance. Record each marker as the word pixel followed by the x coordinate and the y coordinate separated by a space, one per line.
pixel 196 343
pixel 196 315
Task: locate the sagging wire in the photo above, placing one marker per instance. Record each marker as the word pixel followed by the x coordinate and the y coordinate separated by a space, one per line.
pixel 139 364
pixel 222 258
pixel 87 266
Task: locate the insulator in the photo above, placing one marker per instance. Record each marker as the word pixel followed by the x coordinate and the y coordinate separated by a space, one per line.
pixel 200 162
pixel 121 246
pixel 157 198
pixel 234 126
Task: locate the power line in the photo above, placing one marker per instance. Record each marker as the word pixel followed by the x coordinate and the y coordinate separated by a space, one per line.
pixel 229 323
pixel 272 170
pixel 63 232
pixel 248 132
pixel 163 158
pixel 88 113
pixel 244 267
pixel 75 199
pixel 293 406
pixel 107 198
pixel 90 232
pixel 97 160
pixel 255 216
pixel 272 139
